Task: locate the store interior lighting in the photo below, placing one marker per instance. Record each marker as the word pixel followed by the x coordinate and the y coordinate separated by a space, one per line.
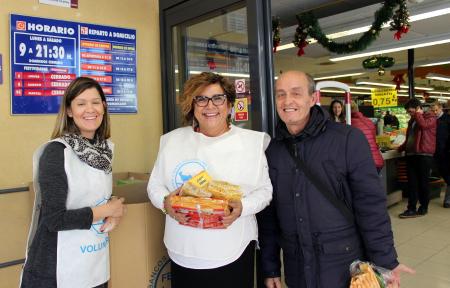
pixel 342 92
pixel 425 43
pixel 391 85
pixel 337 76
pixel 439 92
pixel 434 76
pixel 440 97
pixel 421 16
pixel 435 64
pixel 407 95
pixel 361 87
pixel 226 74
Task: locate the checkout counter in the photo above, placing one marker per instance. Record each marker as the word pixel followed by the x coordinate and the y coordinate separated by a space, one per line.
pixel 389 176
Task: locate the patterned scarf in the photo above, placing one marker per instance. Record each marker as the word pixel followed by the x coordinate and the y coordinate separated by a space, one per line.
pixel 96 153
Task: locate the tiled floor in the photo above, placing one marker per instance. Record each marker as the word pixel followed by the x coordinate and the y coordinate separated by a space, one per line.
pixel 424 244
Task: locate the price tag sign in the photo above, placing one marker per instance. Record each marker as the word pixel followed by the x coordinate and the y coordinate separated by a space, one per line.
pixel 47 54
pixel 384 97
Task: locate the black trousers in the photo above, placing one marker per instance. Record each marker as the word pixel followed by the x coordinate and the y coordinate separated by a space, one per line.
pixel 443 163
pixel 418 168
pixel 239 274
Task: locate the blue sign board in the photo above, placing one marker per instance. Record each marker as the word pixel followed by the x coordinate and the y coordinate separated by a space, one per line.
pixel 47 54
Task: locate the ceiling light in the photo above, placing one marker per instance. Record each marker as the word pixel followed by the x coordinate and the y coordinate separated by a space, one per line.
pixel 363 29
pixel 441 97
pixel 361 87
pixel 224 74
pixel 435 76
pixel 390 50
pixel 439 92
pixel 391 85
pixel 285 46
pixel 428 15
pixel 407 95
pixel 342 91
pixel 435 64
pixel 337 76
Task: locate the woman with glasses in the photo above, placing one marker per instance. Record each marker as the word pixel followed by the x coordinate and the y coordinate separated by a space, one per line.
pixel 211 257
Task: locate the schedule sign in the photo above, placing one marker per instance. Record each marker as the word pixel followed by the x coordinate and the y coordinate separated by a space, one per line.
pixel 46 55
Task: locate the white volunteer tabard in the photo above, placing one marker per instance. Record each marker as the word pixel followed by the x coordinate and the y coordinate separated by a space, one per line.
pixel 82 255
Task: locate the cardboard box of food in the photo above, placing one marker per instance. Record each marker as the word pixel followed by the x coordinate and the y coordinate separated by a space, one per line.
pixel 138 255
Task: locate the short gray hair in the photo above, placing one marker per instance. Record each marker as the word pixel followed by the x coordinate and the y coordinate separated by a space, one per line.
pixel 311 83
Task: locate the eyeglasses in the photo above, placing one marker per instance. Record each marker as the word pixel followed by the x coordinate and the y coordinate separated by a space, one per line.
pixel 217 100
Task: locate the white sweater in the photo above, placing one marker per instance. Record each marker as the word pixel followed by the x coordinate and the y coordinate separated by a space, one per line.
pixel 236 156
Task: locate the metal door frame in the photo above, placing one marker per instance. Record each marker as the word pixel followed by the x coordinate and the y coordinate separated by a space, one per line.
pixel 175 12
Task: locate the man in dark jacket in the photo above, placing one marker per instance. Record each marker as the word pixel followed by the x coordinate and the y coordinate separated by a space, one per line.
pixel 442 154
pixel 420 145
pixel 320 235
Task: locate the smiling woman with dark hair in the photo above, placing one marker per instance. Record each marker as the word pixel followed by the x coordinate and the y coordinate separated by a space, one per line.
pixel 337 111
pixel 211 257
pixel 68 240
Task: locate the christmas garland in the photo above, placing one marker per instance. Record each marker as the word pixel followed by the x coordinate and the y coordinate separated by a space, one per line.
pixel 308 25
pixel 276 33
pixel 377 62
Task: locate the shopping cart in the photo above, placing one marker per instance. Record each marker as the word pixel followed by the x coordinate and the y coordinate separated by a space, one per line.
pixel 340 85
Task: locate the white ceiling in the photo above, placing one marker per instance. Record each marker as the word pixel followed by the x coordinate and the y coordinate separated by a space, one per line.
pixel 316 58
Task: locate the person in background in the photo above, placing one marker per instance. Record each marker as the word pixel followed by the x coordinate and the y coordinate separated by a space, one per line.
pixel 320 235
pixel 419 145
pixel 391 120
pixel 442 153
pixel 369 130
pixel 337 111
pixel 68 239
pixel 211 257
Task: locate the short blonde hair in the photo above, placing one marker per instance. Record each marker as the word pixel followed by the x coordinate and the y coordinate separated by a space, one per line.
pixel 195 85
pixel 65 124
pixel 354 107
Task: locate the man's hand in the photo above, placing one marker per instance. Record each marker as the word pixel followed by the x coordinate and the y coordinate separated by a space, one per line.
pixel 395 279
pixel 273 282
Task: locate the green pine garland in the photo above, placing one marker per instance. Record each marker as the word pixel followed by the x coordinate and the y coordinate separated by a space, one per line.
pixel 309 25
pixel 276 33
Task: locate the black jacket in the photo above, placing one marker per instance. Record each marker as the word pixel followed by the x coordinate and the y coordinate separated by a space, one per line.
pixel 318 242
pixel 442 135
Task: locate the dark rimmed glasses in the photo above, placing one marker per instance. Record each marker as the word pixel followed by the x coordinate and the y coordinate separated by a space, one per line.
pixel 217 100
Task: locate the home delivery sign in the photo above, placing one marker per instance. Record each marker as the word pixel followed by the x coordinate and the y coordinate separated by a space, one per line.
pixel 47 54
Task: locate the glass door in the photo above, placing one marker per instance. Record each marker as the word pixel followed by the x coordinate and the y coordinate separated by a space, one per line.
pixel 217 44
pixel 217 37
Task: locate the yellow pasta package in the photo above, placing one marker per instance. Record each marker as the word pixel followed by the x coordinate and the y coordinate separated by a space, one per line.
pixel 224 190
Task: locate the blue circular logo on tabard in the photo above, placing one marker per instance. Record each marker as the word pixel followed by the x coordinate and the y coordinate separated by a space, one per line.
pixel 185 171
